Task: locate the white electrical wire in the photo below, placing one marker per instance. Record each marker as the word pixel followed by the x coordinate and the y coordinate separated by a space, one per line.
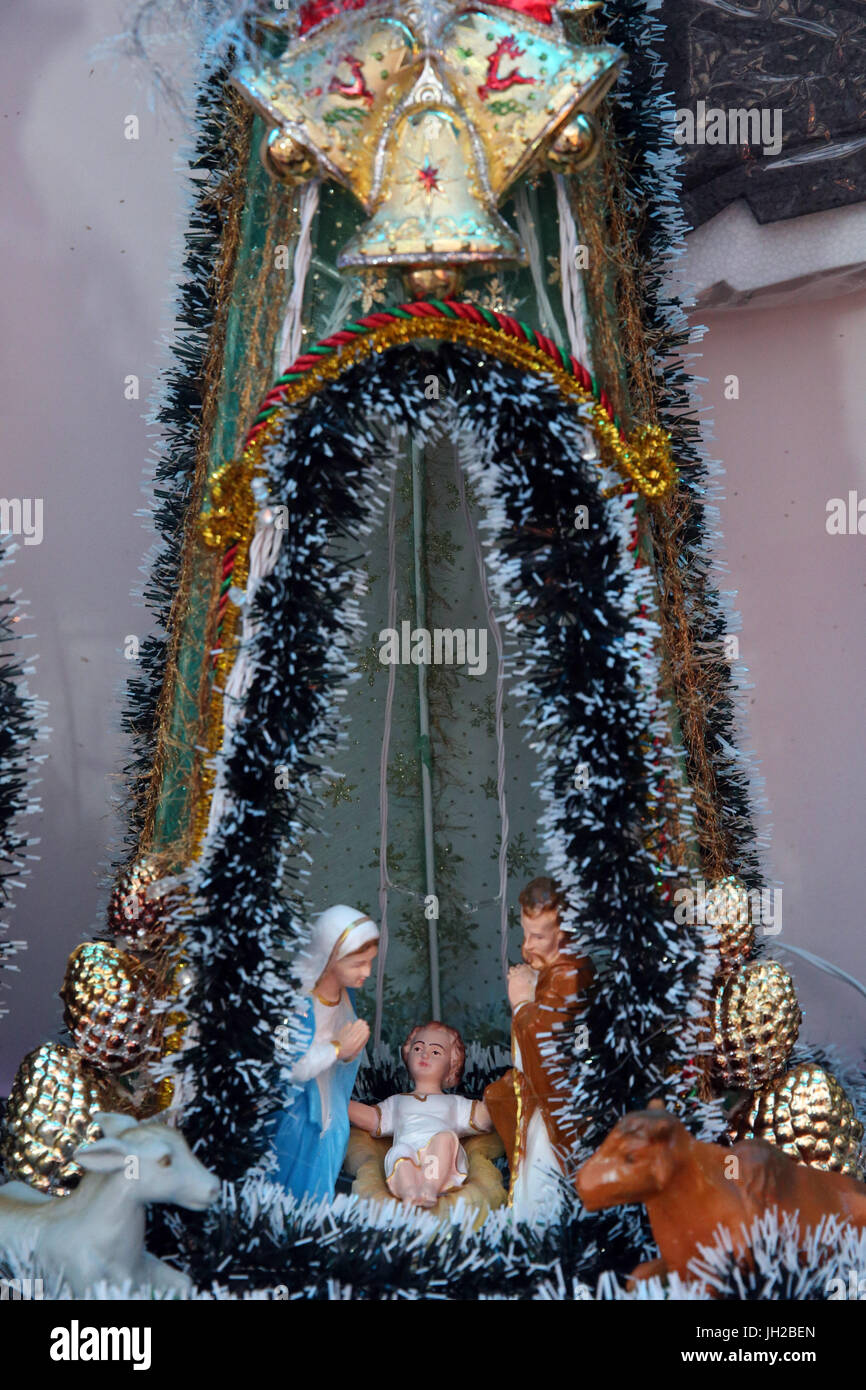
pixel 384 880
pixel 835 971
pixel 263 556
pixel 493 624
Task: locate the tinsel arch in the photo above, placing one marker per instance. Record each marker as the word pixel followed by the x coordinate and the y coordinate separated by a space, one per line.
pixel 576 607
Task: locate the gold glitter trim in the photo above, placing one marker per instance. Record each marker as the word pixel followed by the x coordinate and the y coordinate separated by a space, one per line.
pixel 231 514
pixel 518 1132
pixel 228 197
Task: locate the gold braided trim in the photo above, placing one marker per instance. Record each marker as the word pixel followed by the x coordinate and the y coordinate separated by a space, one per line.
pixel 230 518
pixel 645 461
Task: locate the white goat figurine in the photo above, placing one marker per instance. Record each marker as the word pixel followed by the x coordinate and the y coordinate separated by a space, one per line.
pixel 97 1233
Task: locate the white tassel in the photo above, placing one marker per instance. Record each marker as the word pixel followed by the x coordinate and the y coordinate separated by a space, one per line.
pixel 290 335
pixel 573 302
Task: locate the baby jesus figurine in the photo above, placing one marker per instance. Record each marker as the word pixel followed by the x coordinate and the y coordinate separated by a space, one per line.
pixel 426 1158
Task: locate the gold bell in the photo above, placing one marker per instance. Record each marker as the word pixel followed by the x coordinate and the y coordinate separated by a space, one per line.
pixel 433 210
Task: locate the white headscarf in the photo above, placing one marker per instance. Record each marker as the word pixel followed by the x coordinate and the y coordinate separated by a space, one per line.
pixel 340 928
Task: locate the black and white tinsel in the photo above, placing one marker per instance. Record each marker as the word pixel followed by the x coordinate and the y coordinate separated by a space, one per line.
pixel 21 715
pixel 573 601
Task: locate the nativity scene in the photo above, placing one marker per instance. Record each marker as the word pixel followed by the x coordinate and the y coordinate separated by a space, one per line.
pixel 421 767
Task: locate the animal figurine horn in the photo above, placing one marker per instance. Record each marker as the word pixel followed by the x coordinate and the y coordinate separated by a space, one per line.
pixel 690 1188
pixel 97 1233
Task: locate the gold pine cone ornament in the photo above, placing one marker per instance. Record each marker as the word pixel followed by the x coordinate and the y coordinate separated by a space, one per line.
pixel 727 911
pixel 50 1112
pixel 141 904
pixel 809 1117
pixel 109 1001
pixel 756 1022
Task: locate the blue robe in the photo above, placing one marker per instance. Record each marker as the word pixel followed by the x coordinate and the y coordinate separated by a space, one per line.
pixel 309 1161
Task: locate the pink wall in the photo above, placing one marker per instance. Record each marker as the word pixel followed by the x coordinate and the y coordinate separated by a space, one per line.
pixel 88 222
pixel 795 438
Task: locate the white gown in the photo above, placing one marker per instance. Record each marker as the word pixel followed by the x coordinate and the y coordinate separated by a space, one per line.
pixel 413 1120
pixel 536 1196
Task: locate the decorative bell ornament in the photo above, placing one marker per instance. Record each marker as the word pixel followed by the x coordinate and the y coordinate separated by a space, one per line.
pixel 576 145
pixel 428 113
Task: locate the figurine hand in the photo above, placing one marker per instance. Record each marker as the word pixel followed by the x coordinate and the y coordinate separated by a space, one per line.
pixel 352 1038
pixel 521 985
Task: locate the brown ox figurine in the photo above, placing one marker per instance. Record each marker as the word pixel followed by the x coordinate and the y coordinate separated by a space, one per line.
pixel 689 1188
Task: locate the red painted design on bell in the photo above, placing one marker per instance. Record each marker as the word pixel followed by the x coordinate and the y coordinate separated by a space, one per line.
pixel 501 82
pixel 357 87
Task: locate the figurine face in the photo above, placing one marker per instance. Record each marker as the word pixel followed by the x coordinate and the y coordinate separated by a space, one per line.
pixel 353 970
pixel 542 937
pixel 429 1059
pixel 637 1160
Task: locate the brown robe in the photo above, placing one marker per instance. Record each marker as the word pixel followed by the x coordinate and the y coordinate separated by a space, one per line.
pixel 519 1093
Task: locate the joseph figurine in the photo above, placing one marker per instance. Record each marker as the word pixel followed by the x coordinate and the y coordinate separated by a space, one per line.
pixel 529 1104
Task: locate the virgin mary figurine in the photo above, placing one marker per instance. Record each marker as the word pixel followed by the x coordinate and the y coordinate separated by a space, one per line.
pixel 312 1133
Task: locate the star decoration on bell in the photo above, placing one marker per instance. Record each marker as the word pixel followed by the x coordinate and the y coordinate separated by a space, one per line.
pixel 453 102
pixel 429 177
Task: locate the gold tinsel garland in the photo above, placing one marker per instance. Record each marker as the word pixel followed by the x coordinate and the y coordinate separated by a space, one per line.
pixel 229 197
